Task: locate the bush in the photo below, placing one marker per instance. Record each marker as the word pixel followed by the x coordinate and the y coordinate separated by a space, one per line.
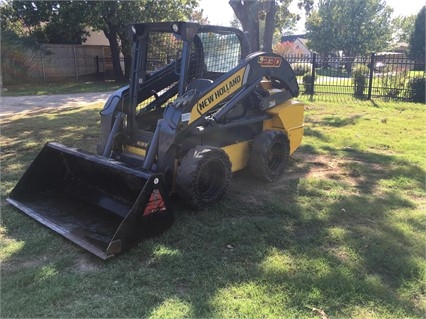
pixel 417 86
pixel 301 68
pixel 393 80
pixel 359 80
pixel 308 84
pixel 393 83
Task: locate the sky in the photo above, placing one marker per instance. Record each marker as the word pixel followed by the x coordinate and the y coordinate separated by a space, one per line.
pixel 220 12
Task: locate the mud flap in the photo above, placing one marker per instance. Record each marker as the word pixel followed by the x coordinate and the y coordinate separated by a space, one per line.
pixel 96 202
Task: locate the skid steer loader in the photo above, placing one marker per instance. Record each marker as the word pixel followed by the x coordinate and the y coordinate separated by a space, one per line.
pixel 199 107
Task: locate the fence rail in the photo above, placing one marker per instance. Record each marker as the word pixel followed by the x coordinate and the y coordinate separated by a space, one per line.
pixel 375 76
pixel 54 61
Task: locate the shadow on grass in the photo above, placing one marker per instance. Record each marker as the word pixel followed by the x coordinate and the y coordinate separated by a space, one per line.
pixel 23 137
pixel 340 122
pixel 266 250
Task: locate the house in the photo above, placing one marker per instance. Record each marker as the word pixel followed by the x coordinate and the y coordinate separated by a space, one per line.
pixel 98 38
pixel 292 38
pixel 300 41
pixel 401 47
pixel 300 44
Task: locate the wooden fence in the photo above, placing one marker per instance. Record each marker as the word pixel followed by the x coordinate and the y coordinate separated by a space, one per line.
pixel 57 61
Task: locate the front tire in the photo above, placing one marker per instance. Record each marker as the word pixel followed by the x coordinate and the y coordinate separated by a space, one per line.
pixel 204 176
pixel 269 155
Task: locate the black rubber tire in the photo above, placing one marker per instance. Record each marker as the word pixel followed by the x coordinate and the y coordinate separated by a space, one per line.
pixel 269 155
pixel 203 176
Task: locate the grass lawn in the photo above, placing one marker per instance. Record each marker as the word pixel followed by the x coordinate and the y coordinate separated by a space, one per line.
pixel 83 85
pixel 342 235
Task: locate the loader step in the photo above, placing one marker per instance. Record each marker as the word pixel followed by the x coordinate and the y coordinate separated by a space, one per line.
pixel 143 138
pixel 134 155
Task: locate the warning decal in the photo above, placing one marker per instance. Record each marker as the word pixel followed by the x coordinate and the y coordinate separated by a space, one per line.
pixel 155 203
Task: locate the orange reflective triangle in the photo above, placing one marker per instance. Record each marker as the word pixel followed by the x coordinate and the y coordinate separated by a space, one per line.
pixel 155 203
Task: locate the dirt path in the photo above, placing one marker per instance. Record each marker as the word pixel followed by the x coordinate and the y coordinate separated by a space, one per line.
pixel 18 104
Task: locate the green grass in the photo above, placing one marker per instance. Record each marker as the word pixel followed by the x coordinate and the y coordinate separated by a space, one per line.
pixel 341 235
pixel 61 86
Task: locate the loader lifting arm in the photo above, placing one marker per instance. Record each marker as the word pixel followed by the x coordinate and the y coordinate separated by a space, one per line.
pixel 241 82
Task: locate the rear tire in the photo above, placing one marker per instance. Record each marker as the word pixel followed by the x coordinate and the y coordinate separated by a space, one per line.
pixel 203 176
pixel 269 155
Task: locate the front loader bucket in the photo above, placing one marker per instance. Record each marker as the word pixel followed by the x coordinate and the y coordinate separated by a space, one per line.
pixel 96 202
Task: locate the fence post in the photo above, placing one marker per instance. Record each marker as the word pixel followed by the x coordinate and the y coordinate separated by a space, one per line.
pixel 75 62
pixel 42 66
pixel 97 64
pixel 371 76
pixel 314 62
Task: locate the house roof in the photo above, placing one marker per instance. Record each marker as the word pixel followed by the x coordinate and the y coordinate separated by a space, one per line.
pixel 293 37
pixel 303 41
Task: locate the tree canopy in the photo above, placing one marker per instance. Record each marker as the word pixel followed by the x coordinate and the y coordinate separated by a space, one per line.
pixel 60 22
pixel 351 26
pixel 261 18
pixel 417 38
pixel 66 21
pixel 113 18
pixel 403 27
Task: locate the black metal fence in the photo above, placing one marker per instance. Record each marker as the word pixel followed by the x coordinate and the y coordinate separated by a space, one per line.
pixel 391 76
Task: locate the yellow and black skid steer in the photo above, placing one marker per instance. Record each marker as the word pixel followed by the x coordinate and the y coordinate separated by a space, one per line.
pixel 199 107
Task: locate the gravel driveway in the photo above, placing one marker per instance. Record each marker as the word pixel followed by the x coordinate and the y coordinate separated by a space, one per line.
pixel 18 104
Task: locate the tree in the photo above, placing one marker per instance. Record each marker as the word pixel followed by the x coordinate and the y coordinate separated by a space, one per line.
pixel 403 27
pixel 247 13
pixel 64 21
pixel 307 5
pixel 417 38
pixel 18 45
pixel 268 15
pixel 198 16
pixel 113 18
pixel 352 26
pixel 68 26
pixel 59 22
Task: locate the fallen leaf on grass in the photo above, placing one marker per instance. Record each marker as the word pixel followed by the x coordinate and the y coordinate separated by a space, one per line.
pixel 319 312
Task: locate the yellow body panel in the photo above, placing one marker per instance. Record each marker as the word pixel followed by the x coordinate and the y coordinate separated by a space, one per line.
pixel 134 150
pixel 288 116
pixel 238 154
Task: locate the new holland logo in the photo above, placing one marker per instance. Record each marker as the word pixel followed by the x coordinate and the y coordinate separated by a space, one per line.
pixel 216 95
pixel 269 61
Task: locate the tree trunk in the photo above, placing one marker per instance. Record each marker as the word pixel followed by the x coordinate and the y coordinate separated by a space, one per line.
pixel 240 12
pixel 269 25
pixel 127 66
pixel 247 12
pixel 126 49
pixel 111 35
